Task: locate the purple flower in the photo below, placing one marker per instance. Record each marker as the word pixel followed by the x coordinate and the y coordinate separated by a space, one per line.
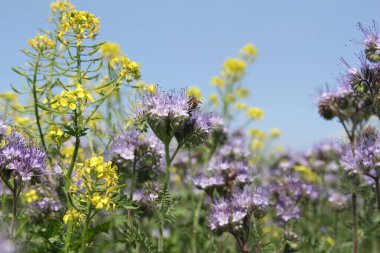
pixel 145 151
pixel 337 201
pixel 233 213
pixel 6 246
pixel 21 159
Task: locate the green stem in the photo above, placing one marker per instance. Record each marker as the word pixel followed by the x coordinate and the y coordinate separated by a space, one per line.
pixel 377 192
pixel 355 224
pixel 36 112
pixel 14 208
pixel 68 237
pixel 168 164
pixel 196 223
pixel 84 233
pixel 73 160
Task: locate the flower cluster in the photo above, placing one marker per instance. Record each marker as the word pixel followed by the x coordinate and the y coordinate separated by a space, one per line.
pixel 95 182
pixel 344 104
pixel 133 149
pixel 365 157
pixel 371 41
pixel 81 23
pixel 172 114
pixel 61 6
pixel 41 43
pixel 73 99
pixel 230 215
pixel 288 193
pixel 110 50
pixel 20 159
pixel 75 216
pixel 127 69
pixel 56 134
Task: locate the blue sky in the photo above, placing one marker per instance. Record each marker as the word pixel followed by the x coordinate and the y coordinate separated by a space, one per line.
pixel 180 43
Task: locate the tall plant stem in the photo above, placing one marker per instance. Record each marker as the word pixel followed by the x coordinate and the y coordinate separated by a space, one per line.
pixel 196 223
pixel 73 160
pixel 167 181
pixel 84 233
pixel 355 224
pixel 15 194
pixel 35 98
pixel 377 186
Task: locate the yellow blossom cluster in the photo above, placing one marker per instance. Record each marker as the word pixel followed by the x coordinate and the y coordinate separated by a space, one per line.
pixel 31 196
pixel 110 50
pixel 218 81
pixel 257 133
pixel 83 24
pixel 249 52
pixel 61 6
pixel 41 43
pixel 275 133
pixel 75 216
pixel 71 99
pixel 128 69
pixel 255 113
pixel 56 134
pixel 234 69
pixel 95 182
pixel 194 91
pixel 307 173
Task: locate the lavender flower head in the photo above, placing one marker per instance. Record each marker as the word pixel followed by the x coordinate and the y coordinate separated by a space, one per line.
pixel 145 151
pixel 365 158
pixel 234 213
pixel 19 158
pixel 371 40
pixel 171 114
pixel 337 201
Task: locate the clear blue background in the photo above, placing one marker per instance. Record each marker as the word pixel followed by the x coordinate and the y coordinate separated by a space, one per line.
pixel 180 43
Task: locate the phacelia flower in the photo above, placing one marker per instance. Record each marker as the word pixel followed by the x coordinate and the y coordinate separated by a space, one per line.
pixel 132 147
pixel 172 114
pixel 20 159
pixel 371 40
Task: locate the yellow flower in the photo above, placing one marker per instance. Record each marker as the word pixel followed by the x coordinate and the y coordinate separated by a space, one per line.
pixel 100 202
pixel 110 50
pixel 72 98
pixel 249 50
pixel 73 215
pixel 41 43
pixel 256 145
pixel 82 24
pixel 128 69
pixel 22 120
pixel 151 88
pixel 194 91
pixel 218 81
pixel 9 95
pixel 214 99
pixel 242 92
pixel 31 196
pixel 307 173
pixel 56 134
pixel 257 133
pixel 234 68
pixel 61 6
pixel 275 133
pixel 241 106
pixel 255 113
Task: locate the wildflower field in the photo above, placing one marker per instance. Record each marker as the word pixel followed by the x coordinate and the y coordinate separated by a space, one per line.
pixel 92 159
